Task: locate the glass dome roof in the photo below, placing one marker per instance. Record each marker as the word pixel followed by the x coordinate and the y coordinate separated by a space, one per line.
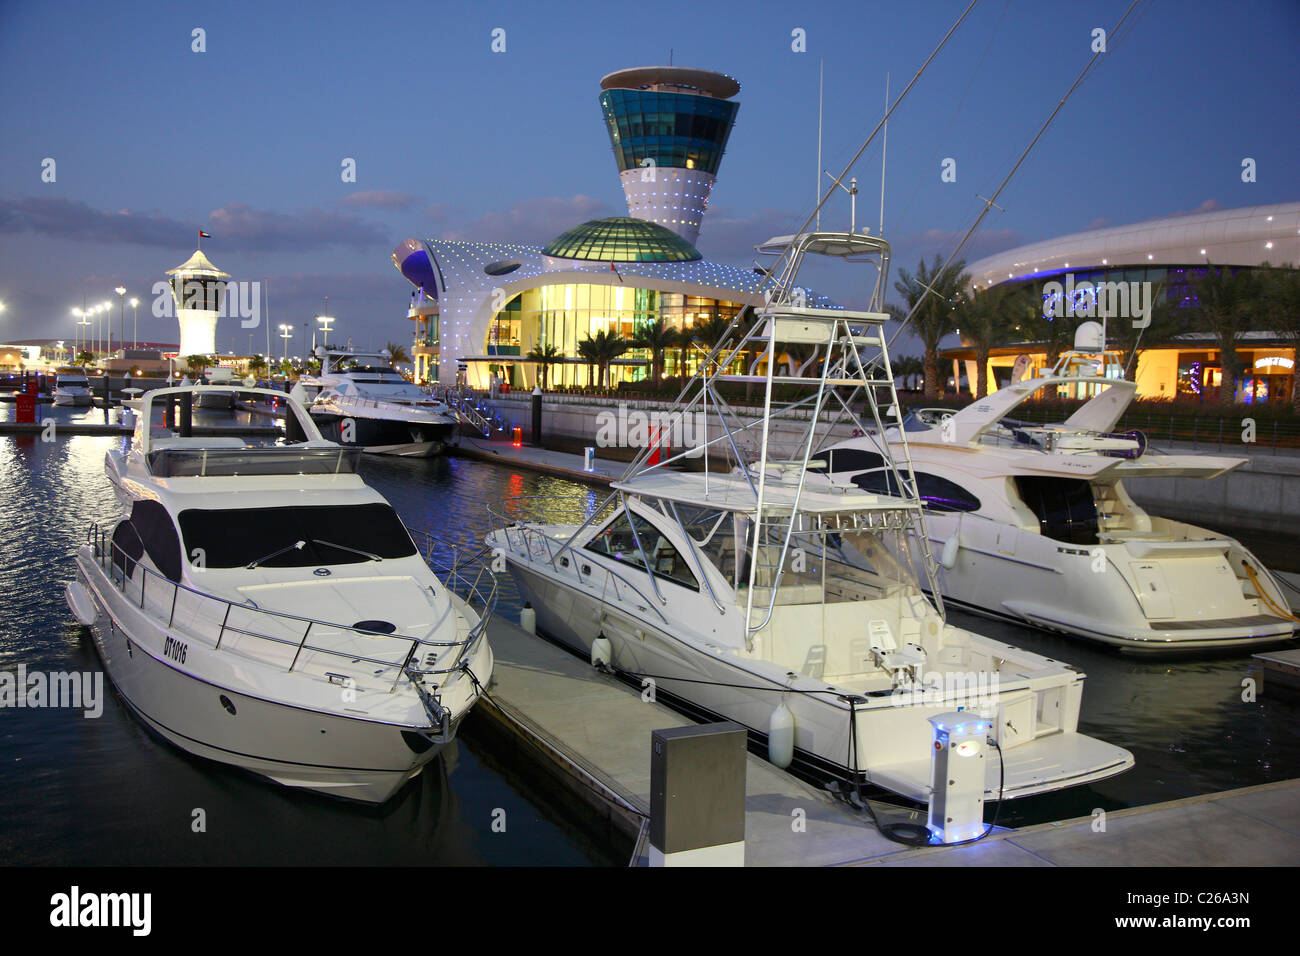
pixel 621 239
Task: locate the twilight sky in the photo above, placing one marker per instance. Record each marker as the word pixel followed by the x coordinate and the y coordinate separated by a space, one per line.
pixel 152 141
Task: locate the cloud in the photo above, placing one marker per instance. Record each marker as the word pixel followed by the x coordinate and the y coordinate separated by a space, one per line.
pixel 725 237
pixel 378 199
pixel 1208 206
pixel 261 229
pixel 239 224
pixel 530 220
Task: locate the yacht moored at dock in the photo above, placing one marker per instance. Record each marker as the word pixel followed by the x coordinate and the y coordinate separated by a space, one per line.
pixel 71 387
pixel 372 407
pixel 731 591
pixel 261 606
pixel 1035 525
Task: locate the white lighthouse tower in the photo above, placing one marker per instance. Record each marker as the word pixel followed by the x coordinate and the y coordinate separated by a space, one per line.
pixel 198 289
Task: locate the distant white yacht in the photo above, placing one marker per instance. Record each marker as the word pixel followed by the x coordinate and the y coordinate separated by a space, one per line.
pixel 1034 523
pixel 71 387
pixel 372 407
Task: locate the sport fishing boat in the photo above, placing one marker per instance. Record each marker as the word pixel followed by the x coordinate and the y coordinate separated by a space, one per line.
pixel 372 407
pixel 732 590
pixel 1034 523
pixel 261 606
pixel 71 387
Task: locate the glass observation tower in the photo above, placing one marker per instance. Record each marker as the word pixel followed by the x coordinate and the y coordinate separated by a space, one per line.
pixel 669 127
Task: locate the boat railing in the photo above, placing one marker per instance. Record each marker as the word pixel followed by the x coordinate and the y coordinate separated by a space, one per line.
pixel 528 540
pixel 225 620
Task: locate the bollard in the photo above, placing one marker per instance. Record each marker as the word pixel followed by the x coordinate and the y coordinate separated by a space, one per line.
pixel 537 415
pixel 589 459
pixel 187 414
pixel 697 795
pixel 518 434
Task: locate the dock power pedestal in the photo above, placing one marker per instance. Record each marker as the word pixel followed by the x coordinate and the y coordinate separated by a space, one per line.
pixel 957 775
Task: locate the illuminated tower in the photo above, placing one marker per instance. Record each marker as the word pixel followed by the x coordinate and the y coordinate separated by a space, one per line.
pixel 669 127
pixel 198 289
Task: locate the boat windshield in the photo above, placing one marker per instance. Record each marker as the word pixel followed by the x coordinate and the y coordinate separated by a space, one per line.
pixel 330 534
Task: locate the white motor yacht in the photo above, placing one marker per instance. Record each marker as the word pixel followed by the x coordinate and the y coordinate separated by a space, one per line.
pixel 71 387
pixel 372 407
pixel 1034 523
pixel 732 592
pixel 261 606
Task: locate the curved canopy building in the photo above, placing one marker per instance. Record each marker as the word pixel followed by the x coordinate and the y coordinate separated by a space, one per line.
pixel 1170 253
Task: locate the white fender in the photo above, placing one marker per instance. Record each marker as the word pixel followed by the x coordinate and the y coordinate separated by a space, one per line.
pixel 780 736
pixel 949 557
pixel 601 651
pixel 528 619
pixel 81 604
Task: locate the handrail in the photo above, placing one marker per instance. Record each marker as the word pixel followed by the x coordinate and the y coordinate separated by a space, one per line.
pixel 114 559
pixel 530 534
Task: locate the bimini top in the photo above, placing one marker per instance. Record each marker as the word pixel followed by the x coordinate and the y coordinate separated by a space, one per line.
pixel 621 239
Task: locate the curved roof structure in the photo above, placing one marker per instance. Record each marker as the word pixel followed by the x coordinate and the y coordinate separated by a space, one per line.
pixel 198 265
pixel 621 239
pixel 1249 236
pixel 672 79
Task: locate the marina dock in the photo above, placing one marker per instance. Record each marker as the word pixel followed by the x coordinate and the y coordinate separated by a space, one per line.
pixel 543 460
pixel 592 733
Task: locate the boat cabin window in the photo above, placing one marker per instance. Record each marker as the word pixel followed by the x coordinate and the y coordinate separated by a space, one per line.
pixel 849 459
pixel 330 534
pixel 617 541
pixel 938 494
pixel 1065 507
pixel 149 530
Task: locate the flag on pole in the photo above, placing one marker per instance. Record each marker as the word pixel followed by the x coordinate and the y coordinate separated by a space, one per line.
pixel 204 235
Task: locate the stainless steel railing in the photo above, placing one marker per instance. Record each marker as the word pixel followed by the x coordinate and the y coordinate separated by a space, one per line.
pixel 479 594
pixel 528 540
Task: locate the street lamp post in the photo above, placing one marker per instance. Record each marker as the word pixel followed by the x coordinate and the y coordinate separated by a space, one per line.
pixel 135 323
pixel 107 308
pixel 121 320
pixel 286 333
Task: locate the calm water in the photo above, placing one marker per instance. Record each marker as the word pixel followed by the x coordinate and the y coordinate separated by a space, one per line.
pixel 104 791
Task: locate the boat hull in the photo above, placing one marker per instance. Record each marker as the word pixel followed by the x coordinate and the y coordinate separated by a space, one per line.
pixel 379 436
pixel 351 758
pixel 1140 602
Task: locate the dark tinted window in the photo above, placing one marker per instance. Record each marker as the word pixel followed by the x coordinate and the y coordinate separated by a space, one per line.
pixel 332 534
pixel 1065 507
pixel 939 494
pixel 850 459
pixel 157 534
pixel 617 541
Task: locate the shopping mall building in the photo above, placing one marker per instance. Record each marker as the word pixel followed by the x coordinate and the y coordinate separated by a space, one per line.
pixel 480 307
pixel 1170 253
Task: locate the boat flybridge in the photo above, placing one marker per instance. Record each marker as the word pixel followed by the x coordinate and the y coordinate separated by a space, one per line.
pixel 371 406
pixel 730 586
pixel 261 606
pixel 71 387
pixel 1034 523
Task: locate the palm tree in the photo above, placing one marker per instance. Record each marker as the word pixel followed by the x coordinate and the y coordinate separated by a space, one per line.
pixel 199 363
pixel 908 369
pixel 588 351
pixel 937 290
pixel 256 364
pixel 1164 321
pixel 986 319
pixel 607 345
pixel 1281 301
pixel 658 338
pixel 85 357
pixel 545 356
pixel 397 354
pixel 1224 303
